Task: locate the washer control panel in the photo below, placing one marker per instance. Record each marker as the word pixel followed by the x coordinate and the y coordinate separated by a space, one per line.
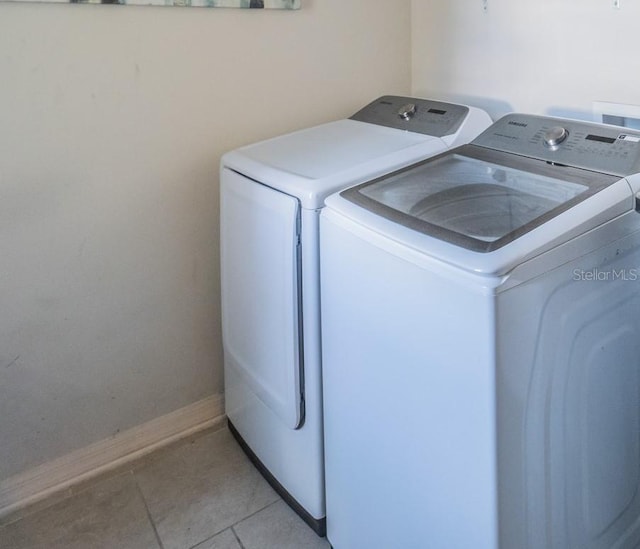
pixel 587 145
pixel 415 115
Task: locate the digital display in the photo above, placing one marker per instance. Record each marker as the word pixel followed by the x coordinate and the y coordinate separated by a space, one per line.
pixel 600 139
pixel 437 111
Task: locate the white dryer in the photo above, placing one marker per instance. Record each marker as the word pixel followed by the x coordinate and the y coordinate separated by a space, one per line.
pixel 271 196
pixel 481 345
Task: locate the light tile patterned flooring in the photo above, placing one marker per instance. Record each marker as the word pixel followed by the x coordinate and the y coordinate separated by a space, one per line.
pixel 200 493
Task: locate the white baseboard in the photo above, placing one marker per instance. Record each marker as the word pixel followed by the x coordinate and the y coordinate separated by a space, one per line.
pixel 42 481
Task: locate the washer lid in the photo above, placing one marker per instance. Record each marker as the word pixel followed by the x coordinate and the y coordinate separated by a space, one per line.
pixel 477 199
pixel 498 205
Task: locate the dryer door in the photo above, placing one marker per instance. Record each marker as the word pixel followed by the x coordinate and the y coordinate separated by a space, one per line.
pixel 261 321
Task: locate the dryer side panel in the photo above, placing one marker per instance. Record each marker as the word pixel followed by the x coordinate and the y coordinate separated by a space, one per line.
pixel 260 250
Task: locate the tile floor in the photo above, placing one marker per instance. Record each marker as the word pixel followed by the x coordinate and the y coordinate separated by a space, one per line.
pixel 200 493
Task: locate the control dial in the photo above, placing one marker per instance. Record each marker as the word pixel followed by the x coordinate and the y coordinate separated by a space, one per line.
pixel 555 136
pixel 408 111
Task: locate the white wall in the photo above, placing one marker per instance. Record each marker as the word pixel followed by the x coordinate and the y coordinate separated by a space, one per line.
pixel 112 123
pixel 547 56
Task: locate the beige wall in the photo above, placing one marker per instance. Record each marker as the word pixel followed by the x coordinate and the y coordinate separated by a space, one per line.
pixel 112 123
pixel 547 56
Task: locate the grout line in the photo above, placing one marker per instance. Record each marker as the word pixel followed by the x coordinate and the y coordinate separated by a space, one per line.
pixel 146 507
pixel 234 524
pixel 256 512
pixel 232 527
pixel 237 538
pixel 217 534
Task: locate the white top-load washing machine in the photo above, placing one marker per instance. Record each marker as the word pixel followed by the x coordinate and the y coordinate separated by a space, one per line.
pixel 271 196
pixel 481 345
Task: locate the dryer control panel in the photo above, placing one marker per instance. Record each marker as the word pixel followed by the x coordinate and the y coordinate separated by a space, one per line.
pixel 415 115
pixel 586 145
